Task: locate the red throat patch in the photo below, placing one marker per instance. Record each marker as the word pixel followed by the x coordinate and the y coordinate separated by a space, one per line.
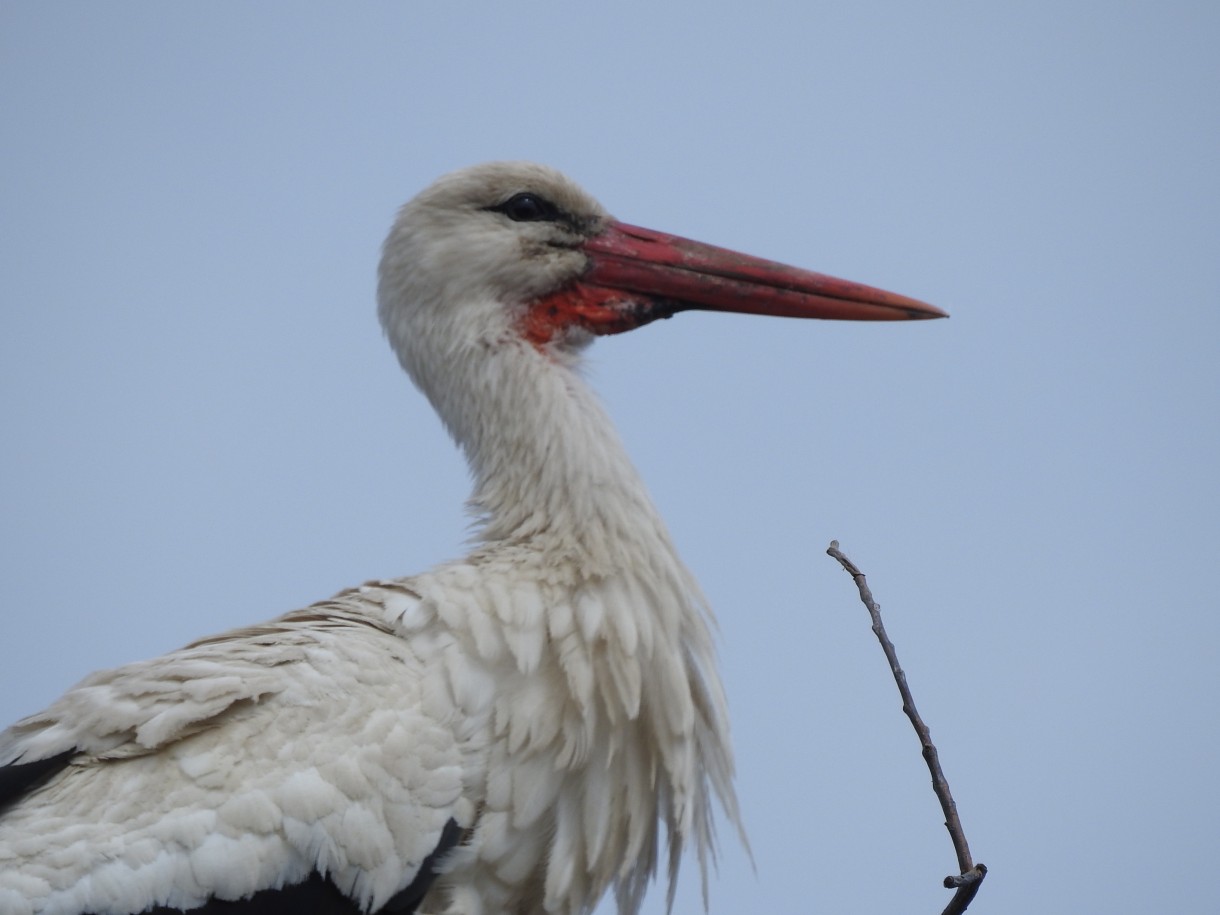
pixel 597 309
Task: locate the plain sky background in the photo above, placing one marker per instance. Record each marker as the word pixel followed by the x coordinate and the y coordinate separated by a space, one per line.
pixel 201 426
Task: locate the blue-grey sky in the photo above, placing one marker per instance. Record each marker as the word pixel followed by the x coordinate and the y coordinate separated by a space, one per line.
pixel 202 426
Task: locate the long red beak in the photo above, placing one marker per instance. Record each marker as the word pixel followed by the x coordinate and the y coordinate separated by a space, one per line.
pixel 637 275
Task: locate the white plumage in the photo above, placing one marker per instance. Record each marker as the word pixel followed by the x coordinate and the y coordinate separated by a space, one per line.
pixel 512 732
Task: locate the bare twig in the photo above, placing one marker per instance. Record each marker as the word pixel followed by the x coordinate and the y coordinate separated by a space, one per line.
pixel 968 881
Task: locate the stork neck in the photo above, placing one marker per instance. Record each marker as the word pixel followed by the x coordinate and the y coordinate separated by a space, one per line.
pixel 547 462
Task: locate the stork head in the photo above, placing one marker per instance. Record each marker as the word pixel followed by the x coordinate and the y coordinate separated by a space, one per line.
pixel 512 254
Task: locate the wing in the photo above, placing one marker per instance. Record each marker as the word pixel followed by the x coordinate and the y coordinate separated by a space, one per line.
pixel 304 766
pixel 317 895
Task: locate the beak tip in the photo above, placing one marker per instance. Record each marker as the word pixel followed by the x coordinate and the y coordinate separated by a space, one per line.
pixel 915 310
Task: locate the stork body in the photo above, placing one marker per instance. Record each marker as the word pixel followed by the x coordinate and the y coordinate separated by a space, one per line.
pixel 507 733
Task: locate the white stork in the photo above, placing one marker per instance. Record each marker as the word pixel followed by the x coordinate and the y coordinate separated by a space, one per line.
pixel 506 733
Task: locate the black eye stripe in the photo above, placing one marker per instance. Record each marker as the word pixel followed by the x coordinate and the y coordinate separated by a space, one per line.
pixel 528 207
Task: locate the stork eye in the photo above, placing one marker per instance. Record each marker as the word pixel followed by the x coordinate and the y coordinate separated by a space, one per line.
pixel 526 207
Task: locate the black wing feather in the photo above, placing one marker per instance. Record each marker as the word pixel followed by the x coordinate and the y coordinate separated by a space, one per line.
pixel 408 900
pixel 19 779
pixel 316 896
